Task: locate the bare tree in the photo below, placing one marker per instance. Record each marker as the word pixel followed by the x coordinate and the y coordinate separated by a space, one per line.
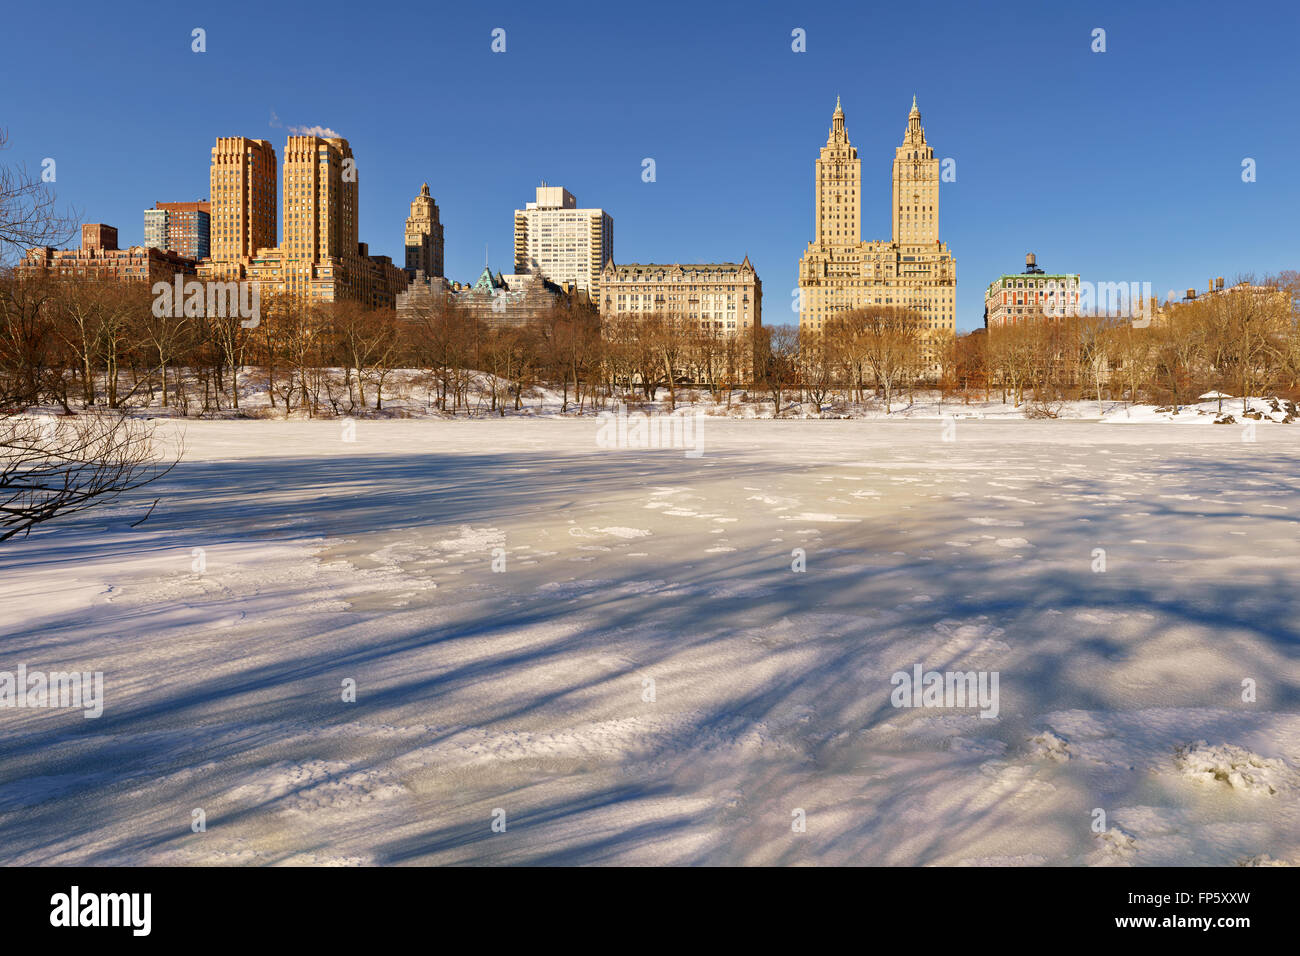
pixel 1252 320
pixel 891 344
pixel 32 359
pixel 816 368
pixel 1176 350
pixel 28 214
pixel 51 467
pixel 779 359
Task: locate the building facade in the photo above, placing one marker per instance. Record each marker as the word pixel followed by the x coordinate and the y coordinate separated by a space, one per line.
pixel 100 258
pixel 182 227
pixel 721 297
pixel 1032 293
pixel 242 208
pixel 424 238
pixel 723 300
pixel 914 269
pixel 565 243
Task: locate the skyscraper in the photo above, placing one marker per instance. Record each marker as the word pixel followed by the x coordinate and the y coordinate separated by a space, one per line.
pixel 914 269
pixel 243 200
pixel 563 242
pixel 424 240
pixel 321 258
pixel 320 211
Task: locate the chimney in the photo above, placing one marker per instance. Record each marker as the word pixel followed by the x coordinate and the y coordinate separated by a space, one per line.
pixel 1210 286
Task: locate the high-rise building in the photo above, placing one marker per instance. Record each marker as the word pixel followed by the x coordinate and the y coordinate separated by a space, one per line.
pixel 914 269
pixel 320 258
pixel 424 241
pixel 1031 294
pixel 242 207
pixel 321 193
pixel 183 227
pixel 563 242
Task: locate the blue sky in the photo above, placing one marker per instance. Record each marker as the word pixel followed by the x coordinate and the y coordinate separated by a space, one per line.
pixel 1122 166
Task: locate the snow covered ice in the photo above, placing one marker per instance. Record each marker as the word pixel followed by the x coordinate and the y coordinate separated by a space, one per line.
pixel 645 679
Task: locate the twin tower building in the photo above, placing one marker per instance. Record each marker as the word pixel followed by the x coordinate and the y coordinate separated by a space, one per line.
pixel 913 269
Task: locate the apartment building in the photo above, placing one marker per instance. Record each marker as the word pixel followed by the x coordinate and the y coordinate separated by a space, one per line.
pixel 182 227
pixel 565 243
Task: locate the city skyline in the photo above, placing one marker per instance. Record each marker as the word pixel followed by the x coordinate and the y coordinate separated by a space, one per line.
pixel 1140 178
pixel 421 524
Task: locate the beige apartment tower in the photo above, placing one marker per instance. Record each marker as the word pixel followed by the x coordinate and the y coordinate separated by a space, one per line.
pixel 320 258
pixel 565 243
pixel 914 269
pixel 243 200
pixel 424 238
pixel 320 211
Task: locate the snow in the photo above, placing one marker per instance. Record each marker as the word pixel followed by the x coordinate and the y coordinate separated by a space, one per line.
pixel 412 393
pixel 648 680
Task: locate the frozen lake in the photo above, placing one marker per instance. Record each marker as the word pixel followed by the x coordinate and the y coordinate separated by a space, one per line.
pixel 645 677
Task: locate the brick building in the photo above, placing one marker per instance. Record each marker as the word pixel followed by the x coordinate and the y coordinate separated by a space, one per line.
pixel 100 258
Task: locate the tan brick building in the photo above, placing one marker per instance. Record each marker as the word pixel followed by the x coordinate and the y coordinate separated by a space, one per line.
pixel 320 258
pixel 913 269
pixel 242 180
pixel 424 236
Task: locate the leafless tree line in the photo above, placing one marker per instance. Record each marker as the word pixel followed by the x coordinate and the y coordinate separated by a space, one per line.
pixel 51 467
pixel 1244 343
pixel 88 343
